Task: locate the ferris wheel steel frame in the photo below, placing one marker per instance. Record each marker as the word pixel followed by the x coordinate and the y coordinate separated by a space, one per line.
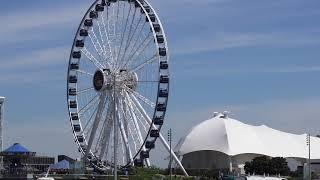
pixel 118 83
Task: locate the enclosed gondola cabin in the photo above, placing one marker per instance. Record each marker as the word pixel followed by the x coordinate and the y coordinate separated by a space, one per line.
pixel 158 120
pixel 144 154
pixel 150 144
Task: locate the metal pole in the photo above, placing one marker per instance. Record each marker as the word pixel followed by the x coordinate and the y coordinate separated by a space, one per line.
pixel 309 158
pixel 170 157
pixel 1 121
pixel 2 99
pixel 115 132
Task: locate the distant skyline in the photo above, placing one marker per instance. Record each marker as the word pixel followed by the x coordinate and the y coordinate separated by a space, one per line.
pixel 257 59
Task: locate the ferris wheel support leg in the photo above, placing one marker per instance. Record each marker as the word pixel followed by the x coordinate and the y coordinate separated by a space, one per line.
pixel 124 137
pixel 135 122
pixel 164 142
pixel 106 137
pixel 96 122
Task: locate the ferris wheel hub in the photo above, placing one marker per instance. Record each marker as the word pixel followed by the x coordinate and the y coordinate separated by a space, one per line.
pixel 106 80
pixel 128 79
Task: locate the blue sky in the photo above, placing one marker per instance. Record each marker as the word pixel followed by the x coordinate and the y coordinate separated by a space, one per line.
pixel 257 59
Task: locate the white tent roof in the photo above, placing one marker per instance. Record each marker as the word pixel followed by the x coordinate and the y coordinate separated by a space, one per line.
pixel 233 137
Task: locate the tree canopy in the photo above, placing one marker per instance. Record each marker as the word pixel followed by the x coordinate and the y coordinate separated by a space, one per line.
pixel 265 165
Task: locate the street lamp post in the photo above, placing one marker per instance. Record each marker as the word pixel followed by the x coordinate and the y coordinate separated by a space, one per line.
pixel 2 99
pixel 309 162
pixel 170 157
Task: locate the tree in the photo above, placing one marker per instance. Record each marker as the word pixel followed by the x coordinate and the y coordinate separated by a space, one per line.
pixel 264 165
pixel 248 168
pixel 279 165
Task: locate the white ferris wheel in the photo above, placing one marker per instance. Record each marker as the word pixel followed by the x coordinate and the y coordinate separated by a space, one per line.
pixel 118 83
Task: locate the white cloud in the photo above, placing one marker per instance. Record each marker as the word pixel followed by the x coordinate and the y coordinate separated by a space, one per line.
pixel 215 41
pixel 37 58
pixel 30 24
pixel 212 71
pixel 48 16
pixel 31 67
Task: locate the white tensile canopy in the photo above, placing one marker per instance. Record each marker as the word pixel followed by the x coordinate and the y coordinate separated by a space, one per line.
pixel 232 137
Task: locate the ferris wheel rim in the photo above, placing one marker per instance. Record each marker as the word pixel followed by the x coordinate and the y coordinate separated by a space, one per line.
pixel 157 45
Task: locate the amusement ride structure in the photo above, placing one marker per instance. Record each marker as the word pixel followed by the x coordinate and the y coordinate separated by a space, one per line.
pixel 118 84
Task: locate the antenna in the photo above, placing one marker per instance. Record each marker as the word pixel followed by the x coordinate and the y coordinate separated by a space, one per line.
pixel 225 114
pixel 215 114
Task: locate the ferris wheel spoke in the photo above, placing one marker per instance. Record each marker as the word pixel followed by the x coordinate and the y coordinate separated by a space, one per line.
pixel 135 31
pixel 123 129
pixel 137 52
pixel 97 46
pixel 96 121
pixel 131 37
pixel 103 48
pixel 89 104
pixel 84 72
pixel 130 55
pixel 133 132
pixel 135 122
pixel 84 90
pixel 127 122
pixel 91 58
pixel 118 26
pixel 140 109
pixel 124 138
pixel 136 47
pixel 116 23
pixel 90 118
pixel 123 33
pixel 107 34
pixel 135 144
pixel 129 34
pixel 151 81
pixel 136 112
pixel 143 64
pixel 144 99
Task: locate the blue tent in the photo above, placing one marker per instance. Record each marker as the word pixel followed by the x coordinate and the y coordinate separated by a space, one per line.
pixel 62 165
pixel 16 148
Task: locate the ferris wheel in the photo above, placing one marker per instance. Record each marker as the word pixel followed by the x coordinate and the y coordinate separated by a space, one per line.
pixel 118 83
